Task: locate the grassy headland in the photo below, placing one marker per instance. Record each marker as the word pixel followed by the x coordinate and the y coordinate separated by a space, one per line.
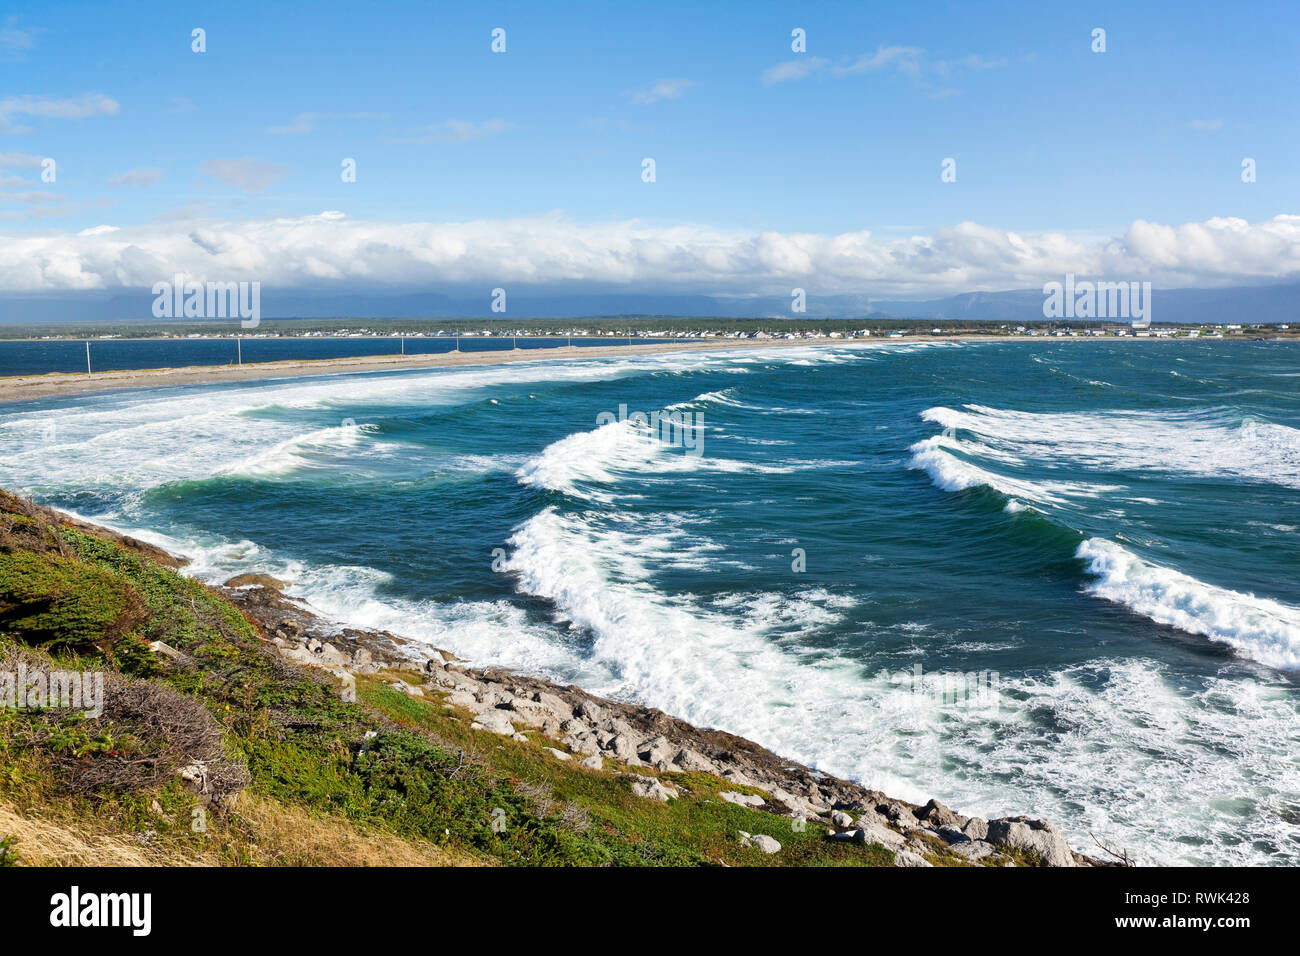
pixel 214 747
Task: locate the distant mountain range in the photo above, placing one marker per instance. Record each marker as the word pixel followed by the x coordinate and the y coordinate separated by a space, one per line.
pixel 1274 303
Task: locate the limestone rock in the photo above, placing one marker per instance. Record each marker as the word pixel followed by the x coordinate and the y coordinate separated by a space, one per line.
pixel 460 698
pixel 650 788
pixel 908 858
pixel 1036 836
pixel 496 721
pixel 871 831
pixel 976 828
pixel 759 841
pixel 953 836
pixel 937 815
pixel 582 743
pixel 973 850
pixel 742 799
pixel 622 746
pixel 656 750
pixel 688 760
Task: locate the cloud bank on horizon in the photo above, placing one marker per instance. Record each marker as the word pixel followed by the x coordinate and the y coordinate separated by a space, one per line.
pixel 331 251
pixel 690 150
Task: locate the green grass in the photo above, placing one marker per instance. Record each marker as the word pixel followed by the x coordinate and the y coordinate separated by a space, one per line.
pixel 698 828
pixel 63 602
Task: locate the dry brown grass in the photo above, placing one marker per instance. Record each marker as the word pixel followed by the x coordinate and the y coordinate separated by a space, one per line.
pixel 49 841
pixel 270 834
pixel 290 836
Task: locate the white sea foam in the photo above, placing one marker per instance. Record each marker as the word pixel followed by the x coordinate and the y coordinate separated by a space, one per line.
pixel 1190 775
pixel 1210 444
pixel 941 458
pixel 1258 628
pixel 715 663
pixel 726 662
pixel 298 452
pixel 609 452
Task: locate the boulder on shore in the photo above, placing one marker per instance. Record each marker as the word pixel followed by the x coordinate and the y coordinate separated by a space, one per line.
pixel 256 581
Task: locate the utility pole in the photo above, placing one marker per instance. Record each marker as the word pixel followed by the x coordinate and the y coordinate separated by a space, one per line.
pixel 403 344
pixel 87 356
pixel 457 341
pixel 239 348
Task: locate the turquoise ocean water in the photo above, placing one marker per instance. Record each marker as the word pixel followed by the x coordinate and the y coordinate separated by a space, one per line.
pixel 1105 534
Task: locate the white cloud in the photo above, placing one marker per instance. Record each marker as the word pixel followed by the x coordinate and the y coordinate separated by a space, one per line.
pixel 76 107
pixel 302 123
pixel 456 131
pixel 906 59
pixel 911 61
pixel 1207 125
pixel 32 197
pixel 250 175
pixel 661 90
pixel 796 69
pixel 972 61
pixel 333 249
pixel 15 42
pixel 19 161
pixel 137 177
pixel 307 122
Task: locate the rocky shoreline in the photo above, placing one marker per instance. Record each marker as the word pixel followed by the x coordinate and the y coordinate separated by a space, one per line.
pixel 603 735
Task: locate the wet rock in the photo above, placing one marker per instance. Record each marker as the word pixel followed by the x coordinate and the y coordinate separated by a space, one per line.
pixel 256 581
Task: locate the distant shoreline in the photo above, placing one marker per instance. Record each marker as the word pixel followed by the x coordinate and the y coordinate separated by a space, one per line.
pixel 21 387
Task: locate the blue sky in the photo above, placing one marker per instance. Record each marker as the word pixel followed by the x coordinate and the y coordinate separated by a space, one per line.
pixel 1048 136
